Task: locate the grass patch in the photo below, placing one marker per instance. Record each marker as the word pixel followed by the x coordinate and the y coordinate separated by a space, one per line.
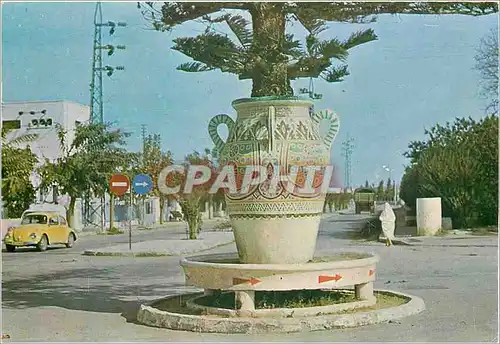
pixel 281 299
pixel 286 299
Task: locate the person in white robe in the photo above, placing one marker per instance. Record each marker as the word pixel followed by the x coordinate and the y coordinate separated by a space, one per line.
pixel 388 219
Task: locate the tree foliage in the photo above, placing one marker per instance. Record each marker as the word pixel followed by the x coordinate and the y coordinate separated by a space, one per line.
pixel 459 163
pixel 154 160
pixel 487 65
pixel 262 49
pixel 87 163
pixel 190 202
pixel 18 163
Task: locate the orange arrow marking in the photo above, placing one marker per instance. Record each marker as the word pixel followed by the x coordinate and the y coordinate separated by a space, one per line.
pixel 371 272
pixel 252 281
pixel 322 278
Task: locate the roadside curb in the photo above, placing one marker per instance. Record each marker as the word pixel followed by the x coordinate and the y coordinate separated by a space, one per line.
pixel 412 241
pixel 139 254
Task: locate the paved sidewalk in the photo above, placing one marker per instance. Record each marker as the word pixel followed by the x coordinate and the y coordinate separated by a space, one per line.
pixel 207 223
pixel 455 238
pixel 176 247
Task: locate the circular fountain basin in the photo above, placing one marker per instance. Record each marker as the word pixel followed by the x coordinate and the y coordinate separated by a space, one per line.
pixel 178 317
pixel 195 305
pixel 224 272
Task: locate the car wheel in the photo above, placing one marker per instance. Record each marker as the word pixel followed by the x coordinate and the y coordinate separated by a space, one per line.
pixel 10 248
pixel 71 240
pixel 42 244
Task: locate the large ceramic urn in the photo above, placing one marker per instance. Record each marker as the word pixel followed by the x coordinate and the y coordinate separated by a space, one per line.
pixel 278 224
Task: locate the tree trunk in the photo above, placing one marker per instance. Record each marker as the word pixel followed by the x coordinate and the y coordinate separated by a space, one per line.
pixel 70 212
pixel 111 211
pixel 162 209
pixel 193 228
pixel 192 215
pixel 269 75
pixel 210 206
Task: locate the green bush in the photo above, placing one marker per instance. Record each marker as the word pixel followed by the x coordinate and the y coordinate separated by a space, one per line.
pixel 459 163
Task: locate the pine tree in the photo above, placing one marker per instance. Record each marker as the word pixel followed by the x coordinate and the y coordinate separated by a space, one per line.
pixel 265 53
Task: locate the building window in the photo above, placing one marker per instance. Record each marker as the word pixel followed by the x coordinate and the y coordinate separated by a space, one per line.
pixel 149 209
pixel 11 124
pixel 41 123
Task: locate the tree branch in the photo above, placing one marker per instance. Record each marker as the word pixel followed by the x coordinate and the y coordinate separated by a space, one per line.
pixel 175 13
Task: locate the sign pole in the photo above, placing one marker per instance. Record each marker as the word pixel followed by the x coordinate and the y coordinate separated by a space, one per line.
pixel 119 184
pixel 130 222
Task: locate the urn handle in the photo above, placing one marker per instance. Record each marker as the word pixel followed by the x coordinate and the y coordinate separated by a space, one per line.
pixel 213 125
pixel 331 117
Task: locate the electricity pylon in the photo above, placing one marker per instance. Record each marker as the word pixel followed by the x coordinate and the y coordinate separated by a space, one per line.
pixel 96 104
pixel 347 147
pixel 96 97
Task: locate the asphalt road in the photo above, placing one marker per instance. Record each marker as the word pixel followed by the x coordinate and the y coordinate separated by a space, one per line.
pixel 60 295
pixel 87 242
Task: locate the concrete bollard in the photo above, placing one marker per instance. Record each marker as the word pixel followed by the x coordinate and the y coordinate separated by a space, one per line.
pixel 429 219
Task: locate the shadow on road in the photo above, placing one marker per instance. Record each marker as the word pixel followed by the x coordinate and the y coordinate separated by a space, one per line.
pixel 348 229
pixel 33 249
pixel 89 289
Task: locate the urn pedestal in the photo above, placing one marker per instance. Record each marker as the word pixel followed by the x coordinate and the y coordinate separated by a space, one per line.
pixel 275 223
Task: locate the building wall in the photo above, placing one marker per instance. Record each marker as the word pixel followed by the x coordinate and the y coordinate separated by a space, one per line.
pixel 41 118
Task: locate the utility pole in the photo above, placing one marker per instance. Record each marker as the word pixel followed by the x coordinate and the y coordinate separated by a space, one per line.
pixel 96 91
pixel 347 147
pixel 143 134
pixel 96 103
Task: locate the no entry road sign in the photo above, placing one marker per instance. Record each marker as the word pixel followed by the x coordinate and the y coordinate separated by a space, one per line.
pixel 119 184
pixel 142 184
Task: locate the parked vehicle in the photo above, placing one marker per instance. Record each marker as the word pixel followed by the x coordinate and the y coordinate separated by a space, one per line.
pixel 364 200
pixel 40 229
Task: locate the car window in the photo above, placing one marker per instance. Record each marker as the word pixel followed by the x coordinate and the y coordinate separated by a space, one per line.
pixel 34 219
pixel 54 220
pixel 62 220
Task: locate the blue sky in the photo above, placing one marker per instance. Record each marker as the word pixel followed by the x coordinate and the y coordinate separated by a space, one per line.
pixel 419 73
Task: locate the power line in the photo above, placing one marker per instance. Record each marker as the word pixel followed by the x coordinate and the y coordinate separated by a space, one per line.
pixel 347 148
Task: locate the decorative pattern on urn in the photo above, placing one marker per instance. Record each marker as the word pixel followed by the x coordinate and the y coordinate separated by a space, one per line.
pixel 276 136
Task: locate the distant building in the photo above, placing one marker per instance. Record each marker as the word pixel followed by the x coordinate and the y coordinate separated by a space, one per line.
pixel 41 117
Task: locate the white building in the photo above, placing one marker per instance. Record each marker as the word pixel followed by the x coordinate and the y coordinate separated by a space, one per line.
pixel 41 117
